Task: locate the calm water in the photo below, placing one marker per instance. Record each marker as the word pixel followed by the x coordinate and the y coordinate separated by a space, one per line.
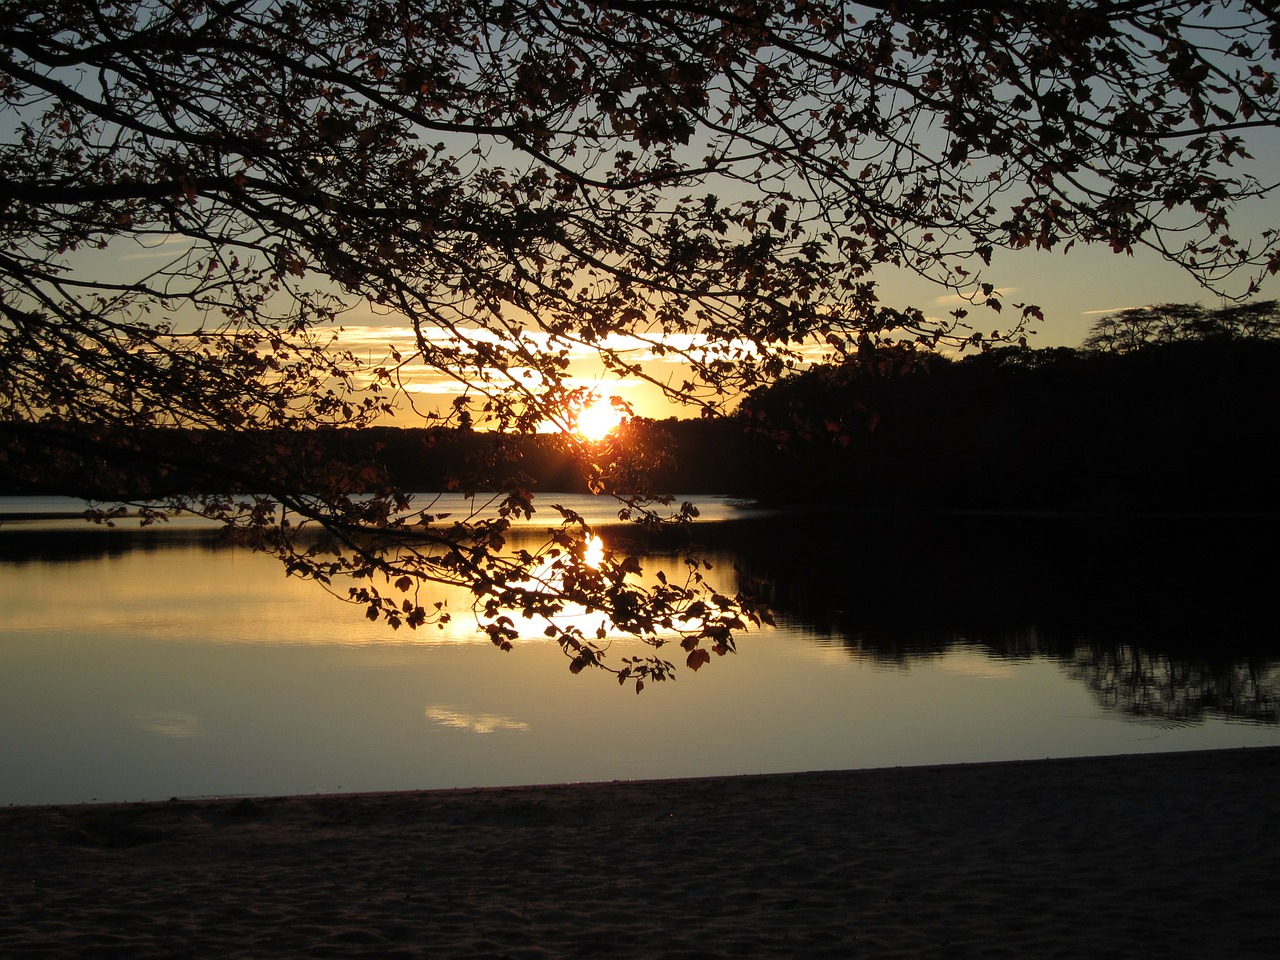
pixel 143 665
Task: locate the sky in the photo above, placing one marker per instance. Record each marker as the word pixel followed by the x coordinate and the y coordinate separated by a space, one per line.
pixel 1074 290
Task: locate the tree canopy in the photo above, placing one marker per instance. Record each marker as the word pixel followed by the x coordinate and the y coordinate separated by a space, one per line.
pixel 194 195
pixel 1127 330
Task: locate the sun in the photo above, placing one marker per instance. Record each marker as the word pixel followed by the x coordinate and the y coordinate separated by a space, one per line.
pixel 598 419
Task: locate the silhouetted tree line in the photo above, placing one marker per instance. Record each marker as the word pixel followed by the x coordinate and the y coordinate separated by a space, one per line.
pixel 1177 414
pixel 1171 417
pixel 675 455
pixel 1139 327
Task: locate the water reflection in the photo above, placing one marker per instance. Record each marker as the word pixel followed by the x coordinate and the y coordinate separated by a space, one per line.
pixel 1165 619
pixel 1160 619
pixel 71 543
pixel 149 577
pixel 472 722
pixel 151 664
pixel 1157 686
pixel 166 723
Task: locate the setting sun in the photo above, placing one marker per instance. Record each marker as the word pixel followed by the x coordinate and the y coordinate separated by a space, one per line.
pixel 597 419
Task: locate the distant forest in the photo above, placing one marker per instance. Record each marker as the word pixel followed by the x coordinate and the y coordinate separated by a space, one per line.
pixel 1187 426
pixel 1179 417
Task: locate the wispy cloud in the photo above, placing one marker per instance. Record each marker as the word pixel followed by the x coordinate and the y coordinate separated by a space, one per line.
pixel 473 722
pixel 1108 310
pixel 175 724
pixel 956 300
pixel 167 248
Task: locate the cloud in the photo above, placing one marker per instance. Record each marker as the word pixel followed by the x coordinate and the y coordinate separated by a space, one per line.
pixel 473 722
pixel 1106 312
pixel 956 300
pixel 168 247
pixel 166 723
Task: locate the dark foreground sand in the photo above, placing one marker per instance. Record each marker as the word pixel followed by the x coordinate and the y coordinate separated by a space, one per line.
pixel 1173 855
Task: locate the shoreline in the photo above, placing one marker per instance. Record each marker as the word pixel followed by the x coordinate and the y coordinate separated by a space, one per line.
pixel 1169 855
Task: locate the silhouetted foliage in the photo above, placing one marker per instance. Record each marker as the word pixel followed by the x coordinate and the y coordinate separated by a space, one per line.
pixel 194 195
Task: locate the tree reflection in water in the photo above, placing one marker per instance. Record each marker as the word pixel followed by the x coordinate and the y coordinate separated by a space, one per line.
pixel 1158 686
pixel 1164 619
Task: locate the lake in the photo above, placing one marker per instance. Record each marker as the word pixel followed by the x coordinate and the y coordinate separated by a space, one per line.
pixel 145 664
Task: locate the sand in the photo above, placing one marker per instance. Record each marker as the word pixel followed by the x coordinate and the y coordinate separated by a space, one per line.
pixel 1171 855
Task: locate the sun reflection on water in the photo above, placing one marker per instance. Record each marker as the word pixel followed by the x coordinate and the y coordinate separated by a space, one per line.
pixel 593 556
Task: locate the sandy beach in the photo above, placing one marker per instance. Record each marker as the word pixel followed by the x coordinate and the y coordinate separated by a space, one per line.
pixel 1169 855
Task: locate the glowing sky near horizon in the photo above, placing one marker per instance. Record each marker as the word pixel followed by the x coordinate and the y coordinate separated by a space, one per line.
pixel 1072 289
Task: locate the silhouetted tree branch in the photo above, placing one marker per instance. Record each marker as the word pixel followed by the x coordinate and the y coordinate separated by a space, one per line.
pixel 193 195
